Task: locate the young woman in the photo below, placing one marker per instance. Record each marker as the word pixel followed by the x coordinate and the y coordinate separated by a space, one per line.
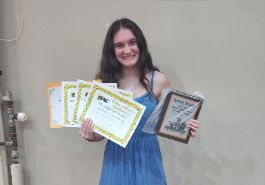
pixel 126 60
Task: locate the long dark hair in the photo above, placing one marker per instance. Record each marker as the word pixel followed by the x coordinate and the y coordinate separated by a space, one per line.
pixel 110 68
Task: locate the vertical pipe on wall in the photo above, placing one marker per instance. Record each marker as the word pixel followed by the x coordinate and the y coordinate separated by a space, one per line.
pixel 15 168
pixel 17 174
pixel 3 158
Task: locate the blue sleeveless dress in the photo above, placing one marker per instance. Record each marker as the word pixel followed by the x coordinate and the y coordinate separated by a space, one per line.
pixel 140 163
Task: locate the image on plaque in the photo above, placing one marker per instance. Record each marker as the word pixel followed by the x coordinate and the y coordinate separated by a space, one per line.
pixel 177 126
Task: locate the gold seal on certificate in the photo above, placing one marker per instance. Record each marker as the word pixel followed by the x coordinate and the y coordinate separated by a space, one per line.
pixel 177 110
pixel 114 115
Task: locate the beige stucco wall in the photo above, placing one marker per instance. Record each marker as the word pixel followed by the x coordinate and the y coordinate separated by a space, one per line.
pixel 216 46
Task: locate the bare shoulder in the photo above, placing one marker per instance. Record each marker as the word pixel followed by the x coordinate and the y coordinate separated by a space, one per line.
pixel 160 82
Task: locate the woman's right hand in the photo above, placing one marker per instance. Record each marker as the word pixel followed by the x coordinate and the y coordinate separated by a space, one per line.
pixel 86 130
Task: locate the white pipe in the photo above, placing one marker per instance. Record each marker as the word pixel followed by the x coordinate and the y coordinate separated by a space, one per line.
pixel 17 174
pixel 1 172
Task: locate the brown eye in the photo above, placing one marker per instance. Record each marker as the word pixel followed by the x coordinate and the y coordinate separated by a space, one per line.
pixel 133 42
pixel 118 45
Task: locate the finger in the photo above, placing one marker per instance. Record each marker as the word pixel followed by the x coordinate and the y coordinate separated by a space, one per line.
pixel 83 125
pixel 194 124
pixel 193 134
pixel 89 131
pixel 194 130
pixel 90 127
pixel 86 129
pixel 195 121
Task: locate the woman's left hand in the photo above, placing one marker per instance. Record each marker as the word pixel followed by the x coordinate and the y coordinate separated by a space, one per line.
pixel 193 124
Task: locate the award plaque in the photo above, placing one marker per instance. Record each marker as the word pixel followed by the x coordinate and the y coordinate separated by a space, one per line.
pixel 177 110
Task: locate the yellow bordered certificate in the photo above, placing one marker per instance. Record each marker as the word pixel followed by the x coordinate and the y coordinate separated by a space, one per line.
pixel 68 102
pixel 115 116
pixel 83 89
pixel 127 94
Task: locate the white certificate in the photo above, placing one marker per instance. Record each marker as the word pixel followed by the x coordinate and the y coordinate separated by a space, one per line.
pixel 69 97
pixel 127 94
pixel 54 92
pixel 83 89
pixel 115 116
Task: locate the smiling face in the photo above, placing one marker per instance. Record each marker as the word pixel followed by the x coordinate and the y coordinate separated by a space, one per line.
pixel 126 48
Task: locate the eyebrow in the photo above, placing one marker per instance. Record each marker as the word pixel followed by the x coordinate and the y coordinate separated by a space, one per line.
pixel 133 39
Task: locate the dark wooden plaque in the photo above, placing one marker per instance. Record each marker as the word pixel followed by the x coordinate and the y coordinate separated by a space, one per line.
pixel 177 110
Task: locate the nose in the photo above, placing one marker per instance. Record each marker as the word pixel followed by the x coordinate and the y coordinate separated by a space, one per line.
pixel 127 49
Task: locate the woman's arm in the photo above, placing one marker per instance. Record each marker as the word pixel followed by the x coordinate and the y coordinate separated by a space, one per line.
pixel 160 82
pixel 86 131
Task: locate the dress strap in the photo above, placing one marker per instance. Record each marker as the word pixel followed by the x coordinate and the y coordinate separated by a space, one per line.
pixel 152 80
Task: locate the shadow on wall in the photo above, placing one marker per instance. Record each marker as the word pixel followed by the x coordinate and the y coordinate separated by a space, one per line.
pixel 185 165
pixel 206 160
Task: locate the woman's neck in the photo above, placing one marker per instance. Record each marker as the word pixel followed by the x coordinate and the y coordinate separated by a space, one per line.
pixel 129 79
pixel 130 74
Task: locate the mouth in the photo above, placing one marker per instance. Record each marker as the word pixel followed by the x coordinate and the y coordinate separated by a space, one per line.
pixel 128 57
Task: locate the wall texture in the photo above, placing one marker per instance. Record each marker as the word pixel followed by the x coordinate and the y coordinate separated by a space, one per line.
pixel 216 46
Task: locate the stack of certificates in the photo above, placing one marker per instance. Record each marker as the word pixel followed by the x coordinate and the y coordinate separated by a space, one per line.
pixel 114 112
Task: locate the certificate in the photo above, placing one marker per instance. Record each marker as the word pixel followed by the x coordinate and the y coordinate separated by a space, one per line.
pixel 83 89
pixel 177 110
pixel 127 94
pixel 68 103
pixel 115 116
pixel 54 92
